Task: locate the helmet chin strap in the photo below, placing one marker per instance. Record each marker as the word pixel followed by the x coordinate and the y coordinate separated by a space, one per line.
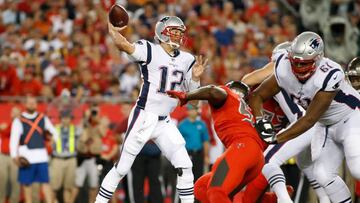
pixel 173 44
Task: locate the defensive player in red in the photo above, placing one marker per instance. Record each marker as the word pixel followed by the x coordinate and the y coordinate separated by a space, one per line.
pixel 234 124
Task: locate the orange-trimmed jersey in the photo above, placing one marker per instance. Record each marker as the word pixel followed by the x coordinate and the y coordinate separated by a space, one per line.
pixel 234 119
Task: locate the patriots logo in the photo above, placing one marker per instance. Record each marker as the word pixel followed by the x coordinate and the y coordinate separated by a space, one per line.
pixel 315 43
pixel 164 19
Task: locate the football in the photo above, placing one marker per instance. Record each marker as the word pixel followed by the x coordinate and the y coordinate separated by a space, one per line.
pixel 118 16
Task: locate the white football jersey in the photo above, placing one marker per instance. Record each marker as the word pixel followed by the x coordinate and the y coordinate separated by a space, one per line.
pixel 161 72
pixel 328 76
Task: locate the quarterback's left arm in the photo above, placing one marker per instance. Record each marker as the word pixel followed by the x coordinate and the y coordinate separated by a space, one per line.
pixel 317 107
pixel 196 69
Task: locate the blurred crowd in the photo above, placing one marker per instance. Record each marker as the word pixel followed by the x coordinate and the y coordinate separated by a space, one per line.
pixel 56 48
pixel 47 46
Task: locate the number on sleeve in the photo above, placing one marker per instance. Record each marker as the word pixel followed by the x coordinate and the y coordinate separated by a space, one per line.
pixel 244 109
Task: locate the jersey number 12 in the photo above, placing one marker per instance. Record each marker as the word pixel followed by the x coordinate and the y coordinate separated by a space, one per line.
pixel 164 78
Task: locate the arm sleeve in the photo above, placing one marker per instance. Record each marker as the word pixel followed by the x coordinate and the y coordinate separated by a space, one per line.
pixel 50 127
pixel 189 84
pixel 16 131
pixel 141 51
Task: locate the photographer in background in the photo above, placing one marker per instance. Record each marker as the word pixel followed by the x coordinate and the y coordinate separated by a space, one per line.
pixel 89 148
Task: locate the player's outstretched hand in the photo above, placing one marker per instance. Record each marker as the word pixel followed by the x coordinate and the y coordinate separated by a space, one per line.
pixel 116 36
pixel 199 67
pixel 179 95
pixel 265 130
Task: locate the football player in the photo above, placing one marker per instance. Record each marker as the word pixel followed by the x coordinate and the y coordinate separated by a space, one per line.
pixel 276 155
pixel 163 67
pixel 318 85
pixel 243 158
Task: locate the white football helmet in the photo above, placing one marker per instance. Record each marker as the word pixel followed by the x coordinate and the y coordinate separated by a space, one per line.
pixel 170 30
pixel 304 53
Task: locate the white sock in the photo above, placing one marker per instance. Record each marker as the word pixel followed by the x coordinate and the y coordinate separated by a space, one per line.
pixel 276 180
pixel 108 186
pixel 338 191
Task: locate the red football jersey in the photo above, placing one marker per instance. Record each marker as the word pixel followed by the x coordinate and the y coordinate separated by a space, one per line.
pixel 273 112
pixel 234 120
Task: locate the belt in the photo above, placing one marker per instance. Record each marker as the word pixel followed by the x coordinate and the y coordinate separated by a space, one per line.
pixel 65 158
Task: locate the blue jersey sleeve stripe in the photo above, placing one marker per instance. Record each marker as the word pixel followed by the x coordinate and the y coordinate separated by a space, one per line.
pixel 328 77
pixel 191 65
pixel 348 99
pixel 293 107
pixel 149 54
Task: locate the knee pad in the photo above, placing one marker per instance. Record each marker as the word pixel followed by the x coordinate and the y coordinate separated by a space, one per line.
pixel 322 176
pixel 134 143
pixel 181 159
pixel 125 162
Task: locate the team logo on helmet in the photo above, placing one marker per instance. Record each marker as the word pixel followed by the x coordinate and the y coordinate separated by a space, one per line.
pixel 315 43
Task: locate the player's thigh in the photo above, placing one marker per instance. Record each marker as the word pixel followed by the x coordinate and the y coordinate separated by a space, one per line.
pixel 329 160
pixel 172 144
pixel 230 168
pixel 141 125
pixel 303 159
pixel 350 134
pixel 280 153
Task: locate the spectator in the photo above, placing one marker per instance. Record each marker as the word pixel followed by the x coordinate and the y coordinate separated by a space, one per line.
pixel 110 148
pixel 89 148
pixel 340 38
pixel 314 13
pixel 63 164
pixel 196 137
pixel 224 35
pixel 8 169
pixel 8 77
pixel 27 142
pixel 29 85
pixel 129 79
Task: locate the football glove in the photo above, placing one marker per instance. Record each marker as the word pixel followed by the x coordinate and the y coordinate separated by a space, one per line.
pixel 265 130
pixel 179 95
